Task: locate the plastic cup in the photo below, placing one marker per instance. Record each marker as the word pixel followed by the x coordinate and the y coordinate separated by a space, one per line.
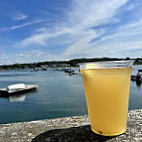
pixel 107 86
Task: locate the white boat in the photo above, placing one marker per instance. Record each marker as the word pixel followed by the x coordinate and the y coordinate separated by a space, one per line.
pixel 17 89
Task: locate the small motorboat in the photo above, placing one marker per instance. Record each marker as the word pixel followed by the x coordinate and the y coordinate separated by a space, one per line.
pixel 70 72
pixel 137 77
pixel 17 89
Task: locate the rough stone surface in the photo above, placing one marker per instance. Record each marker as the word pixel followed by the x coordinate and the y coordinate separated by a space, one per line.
pixel 69 129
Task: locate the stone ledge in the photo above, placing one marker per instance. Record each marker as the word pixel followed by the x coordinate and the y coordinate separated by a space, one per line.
pixel 68 129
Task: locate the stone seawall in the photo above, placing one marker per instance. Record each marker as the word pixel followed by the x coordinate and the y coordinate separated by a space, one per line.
pixel 68 129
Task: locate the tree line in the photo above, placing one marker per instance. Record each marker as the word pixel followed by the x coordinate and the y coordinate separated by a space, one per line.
pixel 72 63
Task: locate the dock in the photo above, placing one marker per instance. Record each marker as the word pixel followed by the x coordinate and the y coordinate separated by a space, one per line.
pixel 6 92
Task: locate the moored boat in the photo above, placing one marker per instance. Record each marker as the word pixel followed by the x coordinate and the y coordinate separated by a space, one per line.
pixel 137 77
pixel 17 89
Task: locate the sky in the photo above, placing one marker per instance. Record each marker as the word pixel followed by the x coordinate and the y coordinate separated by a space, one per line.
pixel 47 30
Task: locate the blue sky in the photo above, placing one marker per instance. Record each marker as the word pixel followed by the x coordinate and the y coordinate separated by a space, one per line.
pixel 41 30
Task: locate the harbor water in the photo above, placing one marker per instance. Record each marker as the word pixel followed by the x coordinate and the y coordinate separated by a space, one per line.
pixel 58 95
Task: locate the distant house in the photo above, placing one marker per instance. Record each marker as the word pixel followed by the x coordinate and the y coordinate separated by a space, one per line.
pixel 60 65
pixel 64 65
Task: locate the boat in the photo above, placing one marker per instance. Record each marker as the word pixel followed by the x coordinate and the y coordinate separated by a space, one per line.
pixel 70 72
pixel 17 89
pixel 137 77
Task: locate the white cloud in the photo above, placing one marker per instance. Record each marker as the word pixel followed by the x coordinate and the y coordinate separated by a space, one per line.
pixel 88 13
pixel 82 45
pixel 77 31
pixel 27 57
pixel 26 24
pixel 82 16
pixel 125 34
pixel 131 6
pixel 35 39
pixel 22 25
pixel 19 16
pixel 41 38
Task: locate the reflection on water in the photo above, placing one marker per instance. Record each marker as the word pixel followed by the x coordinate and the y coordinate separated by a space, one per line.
pixel 138 83
pixel 20 97
pixel 17 98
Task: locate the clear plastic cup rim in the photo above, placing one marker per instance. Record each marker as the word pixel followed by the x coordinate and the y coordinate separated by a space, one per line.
pixel 107 64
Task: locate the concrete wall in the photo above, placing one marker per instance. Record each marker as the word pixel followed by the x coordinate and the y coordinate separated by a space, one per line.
pixel 67 129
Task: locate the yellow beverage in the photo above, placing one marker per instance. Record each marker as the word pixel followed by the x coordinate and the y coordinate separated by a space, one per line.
pixel 107 97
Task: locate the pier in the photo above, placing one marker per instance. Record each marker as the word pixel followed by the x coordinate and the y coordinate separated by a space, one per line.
pixel 69 129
